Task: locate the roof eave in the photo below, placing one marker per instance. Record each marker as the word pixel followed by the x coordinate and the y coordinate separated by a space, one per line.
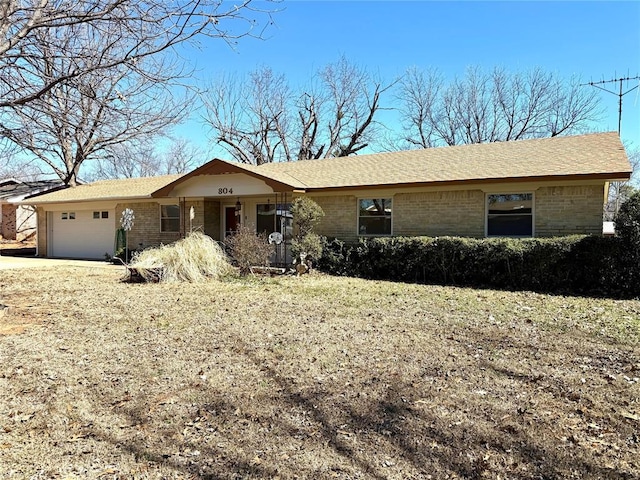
pixel 614 176
pixel 26 201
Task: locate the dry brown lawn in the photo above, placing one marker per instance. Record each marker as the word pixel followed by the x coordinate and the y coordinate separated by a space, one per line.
pixel 312 378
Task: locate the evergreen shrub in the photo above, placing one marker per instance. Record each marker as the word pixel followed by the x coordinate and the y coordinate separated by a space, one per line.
pixel 566 265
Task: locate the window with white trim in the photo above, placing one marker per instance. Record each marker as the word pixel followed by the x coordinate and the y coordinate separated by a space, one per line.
pixel 169 218
pixel 374 216
pixel 510 215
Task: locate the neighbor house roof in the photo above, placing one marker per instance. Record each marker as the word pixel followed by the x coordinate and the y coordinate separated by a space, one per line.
pixel 121 189
pixel 15 190
pixel 598 155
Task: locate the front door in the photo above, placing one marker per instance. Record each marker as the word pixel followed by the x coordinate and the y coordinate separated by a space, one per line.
pixel 230 220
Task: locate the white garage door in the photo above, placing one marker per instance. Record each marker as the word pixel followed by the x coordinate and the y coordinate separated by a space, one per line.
pixel 82 233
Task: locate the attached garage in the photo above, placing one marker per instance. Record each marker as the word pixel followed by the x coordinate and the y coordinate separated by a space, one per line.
pixel 81 233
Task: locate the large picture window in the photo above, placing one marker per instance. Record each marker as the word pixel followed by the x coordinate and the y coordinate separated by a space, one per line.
pixel 169 218
pixel 374 216
pixel 510 215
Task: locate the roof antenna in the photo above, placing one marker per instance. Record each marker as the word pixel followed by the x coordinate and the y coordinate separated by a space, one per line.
pixel 620 94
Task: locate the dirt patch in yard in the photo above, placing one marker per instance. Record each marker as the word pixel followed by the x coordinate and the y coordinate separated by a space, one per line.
pixel 313 377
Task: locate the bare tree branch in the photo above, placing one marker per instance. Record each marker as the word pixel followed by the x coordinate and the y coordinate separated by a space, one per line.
pixel 492 107
pixel 83 119
pixel 138 30
pixel 262 120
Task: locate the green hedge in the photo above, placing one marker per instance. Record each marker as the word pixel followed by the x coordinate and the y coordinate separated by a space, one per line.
pixel 591 265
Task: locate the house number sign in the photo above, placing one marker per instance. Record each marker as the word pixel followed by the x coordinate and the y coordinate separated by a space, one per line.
pixel 225 191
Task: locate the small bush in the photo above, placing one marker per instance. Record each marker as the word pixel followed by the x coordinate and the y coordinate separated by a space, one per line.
pixel 248 249
pixel 306 215
pixel 193 259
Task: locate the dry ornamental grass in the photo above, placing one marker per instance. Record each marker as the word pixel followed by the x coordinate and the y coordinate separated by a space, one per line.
pixel 312 377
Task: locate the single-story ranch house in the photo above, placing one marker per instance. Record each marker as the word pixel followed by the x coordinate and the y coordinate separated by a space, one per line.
pixel 527 188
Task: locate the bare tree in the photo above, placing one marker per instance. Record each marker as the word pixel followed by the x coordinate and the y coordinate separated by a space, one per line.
pixel 619 192
pixel 138 30
pixel 86 117
pixel 125 161
pixel 146 159
pixel 78 77
pixel 251 118
pixel 181 157
pixel 262 120
pixel 492 107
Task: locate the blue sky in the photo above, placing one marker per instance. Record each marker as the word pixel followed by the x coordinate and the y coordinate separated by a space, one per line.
pixel 595 40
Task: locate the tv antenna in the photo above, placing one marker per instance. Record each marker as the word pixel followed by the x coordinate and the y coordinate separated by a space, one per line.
pixel 620 93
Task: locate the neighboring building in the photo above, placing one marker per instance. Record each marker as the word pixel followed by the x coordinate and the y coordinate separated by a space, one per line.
pixel 543 187
pixel 18 222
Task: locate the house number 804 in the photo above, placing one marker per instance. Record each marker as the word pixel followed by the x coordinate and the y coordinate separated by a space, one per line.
pixel 225 190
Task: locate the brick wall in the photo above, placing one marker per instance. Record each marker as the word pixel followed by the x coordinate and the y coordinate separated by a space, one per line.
pixel 42 232
pixel 8 221
pixel 558 211
pixel 197 224
pixel 569 210
pixel 459 213
pixel 146 225
pixel 212 219
pixel 340 217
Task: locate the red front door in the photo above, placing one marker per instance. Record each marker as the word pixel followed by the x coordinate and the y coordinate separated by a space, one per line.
pixel 230 220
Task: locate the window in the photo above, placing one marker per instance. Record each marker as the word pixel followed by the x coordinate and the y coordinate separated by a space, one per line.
pixel 374 216
pixel 510 215
pixel 98 215
pixel 169 218
pixel 68 215
pixel 274 218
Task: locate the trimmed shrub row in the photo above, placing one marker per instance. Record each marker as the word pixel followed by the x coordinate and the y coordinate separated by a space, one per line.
pixel 590 265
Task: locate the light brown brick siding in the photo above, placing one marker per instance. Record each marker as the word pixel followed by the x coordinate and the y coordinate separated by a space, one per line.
pixel 42 232
pixel 558 211
pixel 569 210
pixel 146 225
pixel 212 218
pixel 340 217
pixel 459 213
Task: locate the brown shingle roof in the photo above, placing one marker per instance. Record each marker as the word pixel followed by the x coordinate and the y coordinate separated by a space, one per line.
pixel 129 188
pixel 596 155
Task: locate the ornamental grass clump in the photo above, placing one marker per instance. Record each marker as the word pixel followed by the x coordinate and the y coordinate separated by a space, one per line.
pixel 195 258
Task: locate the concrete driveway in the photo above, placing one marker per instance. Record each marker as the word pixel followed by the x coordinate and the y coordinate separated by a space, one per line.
pixel 7 262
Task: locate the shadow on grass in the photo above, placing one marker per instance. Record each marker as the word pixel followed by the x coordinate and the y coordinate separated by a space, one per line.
pixel 396 431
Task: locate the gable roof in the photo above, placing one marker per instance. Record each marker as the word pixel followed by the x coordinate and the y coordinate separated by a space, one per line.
pixel 120 189
pixel 591 156
pixel 599 155
pixel 279 182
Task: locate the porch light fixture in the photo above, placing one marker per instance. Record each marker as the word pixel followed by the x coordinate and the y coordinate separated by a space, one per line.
pixel 238 206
